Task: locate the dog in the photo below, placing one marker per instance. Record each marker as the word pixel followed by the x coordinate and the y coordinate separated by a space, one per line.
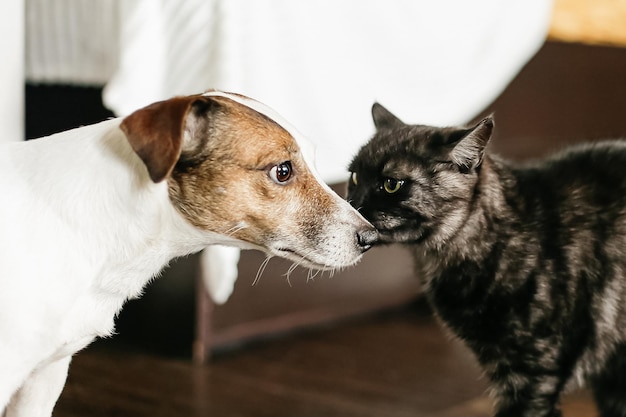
pixel 89 216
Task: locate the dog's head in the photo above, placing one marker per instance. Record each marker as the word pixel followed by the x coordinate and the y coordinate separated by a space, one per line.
pixel 235 168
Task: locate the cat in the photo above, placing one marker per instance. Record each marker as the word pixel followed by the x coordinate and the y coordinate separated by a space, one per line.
pixel 526 263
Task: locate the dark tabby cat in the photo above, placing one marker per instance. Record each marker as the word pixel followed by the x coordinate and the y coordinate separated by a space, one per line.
pixel 526 264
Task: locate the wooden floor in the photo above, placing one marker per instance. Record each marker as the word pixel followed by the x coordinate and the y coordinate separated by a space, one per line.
pixel 394 364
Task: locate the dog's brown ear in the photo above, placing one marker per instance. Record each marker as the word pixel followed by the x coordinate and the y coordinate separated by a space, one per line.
pixel 156 133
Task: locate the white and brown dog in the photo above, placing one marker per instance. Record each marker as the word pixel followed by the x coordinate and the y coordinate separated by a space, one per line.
pixel 90 215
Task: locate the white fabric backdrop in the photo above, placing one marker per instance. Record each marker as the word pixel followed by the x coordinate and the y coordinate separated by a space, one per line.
pixel 321 64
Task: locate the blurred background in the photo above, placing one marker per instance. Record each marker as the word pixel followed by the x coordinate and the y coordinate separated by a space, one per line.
pixel 361 342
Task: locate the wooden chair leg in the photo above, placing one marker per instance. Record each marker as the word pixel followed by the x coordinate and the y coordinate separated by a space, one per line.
pixel 201 350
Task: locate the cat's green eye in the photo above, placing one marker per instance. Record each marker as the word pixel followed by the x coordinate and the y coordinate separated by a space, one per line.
pixel 392 185
pixel 353 178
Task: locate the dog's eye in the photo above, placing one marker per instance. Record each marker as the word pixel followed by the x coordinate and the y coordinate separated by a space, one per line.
pixel 353 178
pixel 392 185
pixel 281 173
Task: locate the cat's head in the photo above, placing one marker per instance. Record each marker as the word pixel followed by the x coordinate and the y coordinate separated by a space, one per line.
pixel 415 183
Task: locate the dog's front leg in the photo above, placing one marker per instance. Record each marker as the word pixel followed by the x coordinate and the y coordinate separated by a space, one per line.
pixel 39 394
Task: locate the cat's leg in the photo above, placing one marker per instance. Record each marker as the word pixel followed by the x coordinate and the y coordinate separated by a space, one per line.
pixel 609 387
pixel 530 407
pixel 611 401
pixel 39 394
pixel 521 396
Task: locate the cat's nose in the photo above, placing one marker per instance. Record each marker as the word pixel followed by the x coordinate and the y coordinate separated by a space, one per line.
pixel 366 238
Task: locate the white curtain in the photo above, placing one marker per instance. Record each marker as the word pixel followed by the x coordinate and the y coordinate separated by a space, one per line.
pixel 322 64
pixel 12 70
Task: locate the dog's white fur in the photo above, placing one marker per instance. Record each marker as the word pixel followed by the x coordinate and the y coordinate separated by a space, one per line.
pixel 83 228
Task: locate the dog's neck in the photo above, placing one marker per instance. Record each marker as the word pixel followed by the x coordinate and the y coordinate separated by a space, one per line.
pixel 108 211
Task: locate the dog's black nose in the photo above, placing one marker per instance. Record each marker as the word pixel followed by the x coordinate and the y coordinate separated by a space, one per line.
pixel 366 238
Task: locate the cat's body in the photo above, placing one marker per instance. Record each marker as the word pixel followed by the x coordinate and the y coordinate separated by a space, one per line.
pixel 526 264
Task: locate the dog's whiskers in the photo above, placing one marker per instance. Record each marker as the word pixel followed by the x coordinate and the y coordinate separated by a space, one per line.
pixel 296 264
pixel 311 274
pixel 239 226
pixel 290 270
pixel 261 269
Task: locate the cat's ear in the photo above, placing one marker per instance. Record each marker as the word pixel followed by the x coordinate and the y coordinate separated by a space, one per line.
pixel 469 148
pixel 383 118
